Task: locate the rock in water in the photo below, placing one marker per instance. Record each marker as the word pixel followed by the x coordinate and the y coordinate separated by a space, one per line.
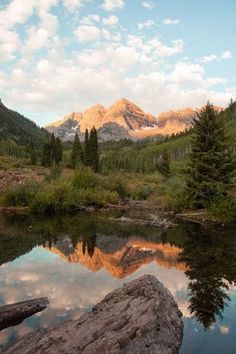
pixel 141 317
pixel 11 315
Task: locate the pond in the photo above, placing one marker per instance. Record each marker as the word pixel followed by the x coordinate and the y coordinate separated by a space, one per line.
pixel 76 260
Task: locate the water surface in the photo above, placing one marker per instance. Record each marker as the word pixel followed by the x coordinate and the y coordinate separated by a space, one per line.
pixel 77 260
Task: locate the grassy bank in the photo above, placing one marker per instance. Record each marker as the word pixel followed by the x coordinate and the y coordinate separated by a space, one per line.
pixel 61 192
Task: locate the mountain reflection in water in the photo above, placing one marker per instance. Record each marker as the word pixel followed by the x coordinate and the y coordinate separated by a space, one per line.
pixel 77 260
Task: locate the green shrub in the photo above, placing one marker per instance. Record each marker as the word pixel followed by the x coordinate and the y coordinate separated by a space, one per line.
pixel 115 184
pixel 83 178
pixel 19 195
pixel 54 197
pixel 143 191
pixel 96 197
pixel 171 194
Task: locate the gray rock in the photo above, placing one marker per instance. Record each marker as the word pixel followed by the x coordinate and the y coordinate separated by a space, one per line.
pixel 141 317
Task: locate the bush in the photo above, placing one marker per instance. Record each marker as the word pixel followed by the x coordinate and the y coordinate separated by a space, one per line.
pixel 84 178
pixel 96 197
pixel 143 192
pixel 55 197
pixel 19 195
pixel 115 184
pixel 171 194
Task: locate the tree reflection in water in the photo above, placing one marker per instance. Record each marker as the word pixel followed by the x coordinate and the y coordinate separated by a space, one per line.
pixel 210 256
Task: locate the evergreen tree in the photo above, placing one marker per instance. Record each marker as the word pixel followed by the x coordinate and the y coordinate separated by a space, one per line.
pixel 58 151
pixel 164 164
pixel 87 149
pixel 94 156
pixel 211 166
pixel 52 150
pixel 32 153
pixel 46 155
pixel 77 154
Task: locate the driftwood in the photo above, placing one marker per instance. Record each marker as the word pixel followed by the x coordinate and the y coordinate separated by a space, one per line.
pixel 141 317
pixel 154 221
pixel 198 217
pixel 14 210
pixel 11 315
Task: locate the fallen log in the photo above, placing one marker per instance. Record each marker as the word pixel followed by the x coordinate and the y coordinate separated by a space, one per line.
pixel 141 317
pixel 14 314
pixel 14 210
pixel 165 223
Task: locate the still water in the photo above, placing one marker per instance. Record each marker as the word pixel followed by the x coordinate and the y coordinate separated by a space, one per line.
pixel 77 260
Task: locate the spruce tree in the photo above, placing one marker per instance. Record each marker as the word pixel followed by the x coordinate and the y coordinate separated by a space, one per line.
pixel 94 156
pixel 52 149
pixel 164 164
pixel 32 153
pixel 87 150
pixel 58 151
pixel 46 154
pixel 77 154
pixel 211 166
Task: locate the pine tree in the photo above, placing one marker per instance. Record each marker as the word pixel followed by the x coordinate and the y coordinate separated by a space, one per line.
pixel 211 166
pixel 52 150
pixel 94 150
pixel 58 151
pixel 87 149
pixel 77 154
pixel 32 153
pixel 46 154
pixel 164 164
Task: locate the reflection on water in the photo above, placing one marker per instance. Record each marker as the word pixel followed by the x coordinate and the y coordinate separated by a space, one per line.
pixel 77 260
pixel 211 260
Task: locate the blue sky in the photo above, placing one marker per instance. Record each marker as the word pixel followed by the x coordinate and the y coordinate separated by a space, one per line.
pixel 59 56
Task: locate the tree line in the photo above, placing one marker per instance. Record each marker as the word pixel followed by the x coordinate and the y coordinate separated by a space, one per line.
pixel 88 154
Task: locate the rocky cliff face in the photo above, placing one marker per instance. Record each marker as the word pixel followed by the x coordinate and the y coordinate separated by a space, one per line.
pixel 122 120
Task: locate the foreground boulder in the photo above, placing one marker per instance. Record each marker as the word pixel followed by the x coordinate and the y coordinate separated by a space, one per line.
pixel 11 315
pixel 140 317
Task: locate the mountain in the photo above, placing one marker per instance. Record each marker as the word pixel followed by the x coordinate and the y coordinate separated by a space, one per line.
pixel 17 128
pixel 124 119
pixel 120 121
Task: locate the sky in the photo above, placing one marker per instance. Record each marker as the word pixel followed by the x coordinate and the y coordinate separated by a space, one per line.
pixel 60 56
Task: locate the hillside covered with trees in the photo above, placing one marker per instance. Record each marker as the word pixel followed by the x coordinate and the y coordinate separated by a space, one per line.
pixel 16 128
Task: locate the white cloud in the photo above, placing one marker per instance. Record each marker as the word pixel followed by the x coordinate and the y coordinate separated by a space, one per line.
pixel 87 33
pixel 148 5
pixel 162 50
pixel 111 5
pixel 169 21
pixel 146 24
pixel 111 21
pixel 9 43
pixel 226 55
pixel 16 12
pixel 72 5
pixel 184 72
pixel 212 81
pixel 90 19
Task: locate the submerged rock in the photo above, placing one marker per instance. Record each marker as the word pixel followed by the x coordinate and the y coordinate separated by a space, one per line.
pixel 140 317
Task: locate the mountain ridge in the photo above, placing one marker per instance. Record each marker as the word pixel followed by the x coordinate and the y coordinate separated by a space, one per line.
pixel 123 119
